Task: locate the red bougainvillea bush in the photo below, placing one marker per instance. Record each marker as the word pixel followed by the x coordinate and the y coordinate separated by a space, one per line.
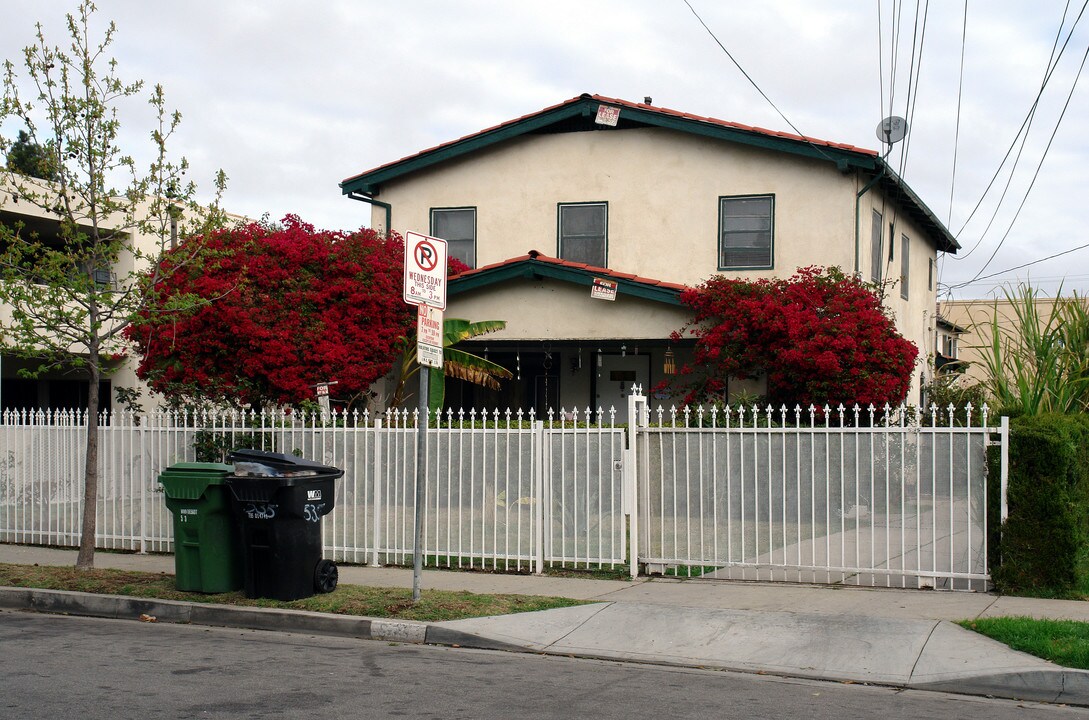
pixel 258 315
pixel 820 337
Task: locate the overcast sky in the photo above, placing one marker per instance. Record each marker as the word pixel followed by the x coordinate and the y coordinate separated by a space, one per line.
pixel 291 97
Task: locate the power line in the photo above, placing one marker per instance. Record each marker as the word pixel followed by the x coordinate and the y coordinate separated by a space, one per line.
pixel 753 82
pixel 918 40
pixel 880 67
pixel 1039 165
pixel 1016 267
pixel 1026 124
pixel 960 90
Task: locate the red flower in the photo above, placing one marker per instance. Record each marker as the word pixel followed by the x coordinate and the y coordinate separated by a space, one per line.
pixel 820 337
pixel 261 316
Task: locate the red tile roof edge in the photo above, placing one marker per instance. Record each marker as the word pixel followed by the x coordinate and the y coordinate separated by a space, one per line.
pixel 600 271
pixel 626 103
pixel 734 125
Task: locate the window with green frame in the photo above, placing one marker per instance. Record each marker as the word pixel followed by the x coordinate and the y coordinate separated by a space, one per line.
pixel 583 232
pixel 905 265
pixel 875 248
pixel 457 226
pixel 746 232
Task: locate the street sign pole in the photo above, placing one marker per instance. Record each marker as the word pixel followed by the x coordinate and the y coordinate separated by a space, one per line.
pixel 425 286
pixel 421 478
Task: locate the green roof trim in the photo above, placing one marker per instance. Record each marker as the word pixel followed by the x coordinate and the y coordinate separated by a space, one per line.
pixel 894 186
pixel 585 106
pixel 531 269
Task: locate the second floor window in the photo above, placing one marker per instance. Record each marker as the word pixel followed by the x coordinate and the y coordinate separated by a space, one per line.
pixel 876 255
pixel 745 232
pixel 457 226
pixel 905 265
pixel 583 233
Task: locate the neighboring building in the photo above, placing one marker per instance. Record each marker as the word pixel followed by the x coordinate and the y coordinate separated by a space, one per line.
pixel 653 200
pixel 947 346
pixel 63 389
pixel 975 320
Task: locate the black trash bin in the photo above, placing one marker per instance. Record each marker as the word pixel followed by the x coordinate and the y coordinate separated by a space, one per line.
pixel 278 501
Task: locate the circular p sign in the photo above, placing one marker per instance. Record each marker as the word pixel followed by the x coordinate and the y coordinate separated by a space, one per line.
pixel 425 270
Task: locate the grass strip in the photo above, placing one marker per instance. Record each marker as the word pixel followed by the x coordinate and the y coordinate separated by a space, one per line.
pixel 1063 642
pixel 379 602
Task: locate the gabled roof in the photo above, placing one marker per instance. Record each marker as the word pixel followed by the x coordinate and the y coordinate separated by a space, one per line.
pixel 535 266
pixel 578 114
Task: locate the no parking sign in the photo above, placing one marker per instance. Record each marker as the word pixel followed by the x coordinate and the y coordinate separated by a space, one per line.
pixel 425 270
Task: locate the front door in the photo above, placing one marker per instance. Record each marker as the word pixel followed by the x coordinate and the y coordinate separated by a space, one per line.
pixel 616 375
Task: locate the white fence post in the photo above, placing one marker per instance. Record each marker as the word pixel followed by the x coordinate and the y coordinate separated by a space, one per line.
pixel 540 492
pixel 1004 472
pixel 637 408
pixel 143 483
pixel 376 476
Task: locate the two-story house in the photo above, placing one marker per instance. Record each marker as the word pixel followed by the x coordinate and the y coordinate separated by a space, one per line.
pixel 597 192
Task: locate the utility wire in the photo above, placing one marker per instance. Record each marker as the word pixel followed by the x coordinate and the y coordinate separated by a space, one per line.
pixel 960 90
pixel 880 65
pixel 1016 267
pixel 1053 63
pixel 1039 165
pixel 752 82
pixel 956 134
pixel 918 39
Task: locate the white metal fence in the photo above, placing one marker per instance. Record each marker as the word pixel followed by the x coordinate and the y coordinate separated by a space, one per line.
pixel 504 490
pixel 844 496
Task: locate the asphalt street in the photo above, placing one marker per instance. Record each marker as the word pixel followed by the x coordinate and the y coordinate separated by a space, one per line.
pixel 93 669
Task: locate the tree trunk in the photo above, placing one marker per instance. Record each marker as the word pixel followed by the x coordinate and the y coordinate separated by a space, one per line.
pixel 86 557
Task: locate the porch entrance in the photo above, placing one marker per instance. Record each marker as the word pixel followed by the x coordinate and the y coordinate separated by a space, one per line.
pixel 617 376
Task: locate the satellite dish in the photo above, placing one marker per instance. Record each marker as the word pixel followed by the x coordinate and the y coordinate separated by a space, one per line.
pixel 892 130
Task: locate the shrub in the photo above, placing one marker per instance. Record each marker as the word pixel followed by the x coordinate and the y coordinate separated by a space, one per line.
pixel 820 337
pixel 1043 547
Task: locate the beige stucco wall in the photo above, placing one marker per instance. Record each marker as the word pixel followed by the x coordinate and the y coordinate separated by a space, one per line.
pixel 662 188
pixel 556 310
pixel 916 315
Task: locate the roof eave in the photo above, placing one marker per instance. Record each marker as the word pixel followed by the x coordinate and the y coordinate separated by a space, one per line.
pixel 370 182
pixel 943 239
pixel 532 269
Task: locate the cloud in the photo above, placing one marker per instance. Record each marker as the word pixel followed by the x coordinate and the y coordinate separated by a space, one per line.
pixel 290 98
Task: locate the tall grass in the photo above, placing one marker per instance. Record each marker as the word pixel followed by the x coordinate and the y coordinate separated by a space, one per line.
pixel 1039 362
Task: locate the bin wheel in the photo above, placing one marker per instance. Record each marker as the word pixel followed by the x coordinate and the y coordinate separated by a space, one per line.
pixel 326 576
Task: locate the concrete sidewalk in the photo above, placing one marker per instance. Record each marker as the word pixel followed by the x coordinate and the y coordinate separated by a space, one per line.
pixel 890 637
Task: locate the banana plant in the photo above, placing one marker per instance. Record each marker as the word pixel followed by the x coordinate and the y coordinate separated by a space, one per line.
pixel 457 363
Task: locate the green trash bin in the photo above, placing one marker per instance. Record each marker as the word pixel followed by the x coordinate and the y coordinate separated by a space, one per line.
pixel 206 544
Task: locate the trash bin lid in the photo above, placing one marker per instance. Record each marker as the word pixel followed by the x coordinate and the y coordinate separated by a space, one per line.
pixel 189 480
pixel 262 463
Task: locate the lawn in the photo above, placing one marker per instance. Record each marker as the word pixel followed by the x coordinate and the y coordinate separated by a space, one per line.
pixel 434 605
pixel 1063 642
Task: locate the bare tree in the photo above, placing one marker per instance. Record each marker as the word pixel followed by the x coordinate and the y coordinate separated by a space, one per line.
pixel 74 282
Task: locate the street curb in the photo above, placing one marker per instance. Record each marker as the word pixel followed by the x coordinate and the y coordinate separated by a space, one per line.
pixel 120 607
pixel 1058 685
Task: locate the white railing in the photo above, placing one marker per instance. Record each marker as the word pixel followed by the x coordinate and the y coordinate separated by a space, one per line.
pixel 859 496
pixel 505 490
pixel 856 496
